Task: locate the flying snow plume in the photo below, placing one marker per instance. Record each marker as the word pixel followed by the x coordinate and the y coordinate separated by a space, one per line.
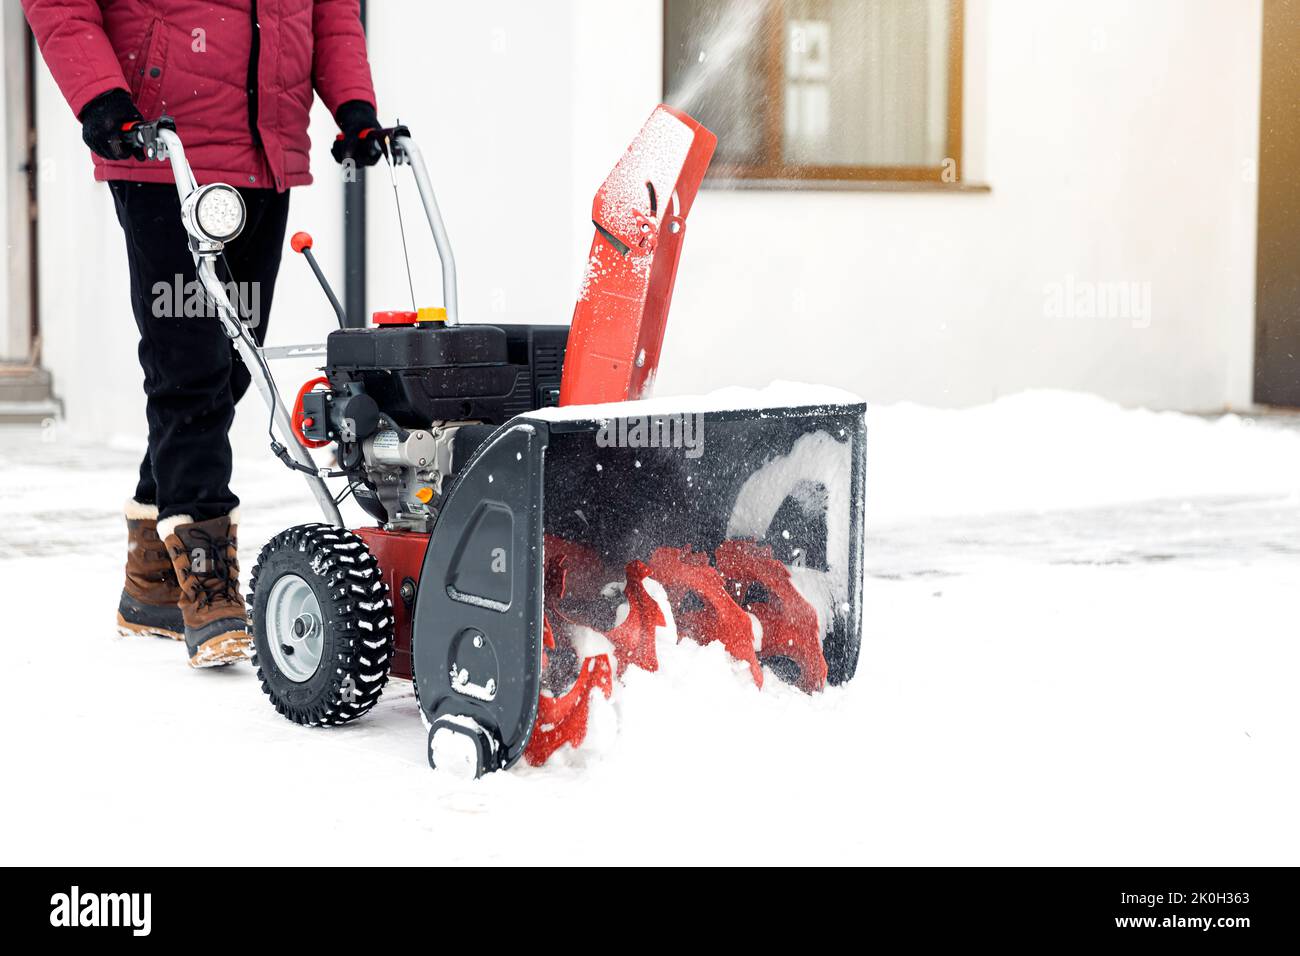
pixel 721 39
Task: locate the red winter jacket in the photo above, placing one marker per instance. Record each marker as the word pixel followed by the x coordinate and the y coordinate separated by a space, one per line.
pixel 237 75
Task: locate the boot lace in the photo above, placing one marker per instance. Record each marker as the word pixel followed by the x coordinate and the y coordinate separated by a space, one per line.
pixel 218 583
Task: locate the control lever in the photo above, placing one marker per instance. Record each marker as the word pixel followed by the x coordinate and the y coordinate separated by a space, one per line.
pixel 301 243
pixel 144 136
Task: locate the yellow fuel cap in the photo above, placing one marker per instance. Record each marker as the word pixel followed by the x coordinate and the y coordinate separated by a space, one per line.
pixel 432 314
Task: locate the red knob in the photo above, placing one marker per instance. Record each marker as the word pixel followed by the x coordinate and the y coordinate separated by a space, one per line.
pixel 300 241
pixel 395 318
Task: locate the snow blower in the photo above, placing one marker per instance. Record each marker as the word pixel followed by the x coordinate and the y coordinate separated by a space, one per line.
pixel 538 520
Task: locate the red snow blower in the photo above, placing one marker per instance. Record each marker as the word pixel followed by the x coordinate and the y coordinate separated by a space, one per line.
pixel 538 522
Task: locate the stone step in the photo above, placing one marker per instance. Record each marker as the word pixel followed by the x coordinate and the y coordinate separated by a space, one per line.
pixel 29 413
pixel 27 396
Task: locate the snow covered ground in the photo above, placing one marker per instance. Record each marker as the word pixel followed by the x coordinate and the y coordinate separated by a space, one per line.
pixel 1080 647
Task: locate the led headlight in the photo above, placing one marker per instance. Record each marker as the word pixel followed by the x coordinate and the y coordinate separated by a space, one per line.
pixel 215 212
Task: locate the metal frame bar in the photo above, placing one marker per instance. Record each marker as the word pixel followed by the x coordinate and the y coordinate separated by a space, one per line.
pixel 292 351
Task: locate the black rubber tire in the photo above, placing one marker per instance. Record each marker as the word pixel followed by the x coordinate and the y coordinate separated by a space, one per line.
pixel 358 624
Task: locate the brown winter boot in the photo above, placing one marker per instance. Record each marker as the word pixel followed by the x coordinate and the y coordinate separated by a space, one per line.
pixel 149 597
pixel 207 569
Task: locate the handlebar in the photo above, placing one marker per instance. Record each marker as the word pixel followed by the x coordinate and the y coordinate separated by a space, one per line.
pixel 142 138
pixel 405 150
pixel 158 140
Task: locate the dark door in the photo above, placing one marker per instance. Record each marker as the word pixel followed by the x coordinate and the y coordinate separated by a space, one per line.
pixel 1277 279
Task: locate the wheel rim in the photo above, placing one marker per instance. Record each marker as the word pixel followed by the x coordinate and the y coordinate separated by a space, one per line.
pixel 295 628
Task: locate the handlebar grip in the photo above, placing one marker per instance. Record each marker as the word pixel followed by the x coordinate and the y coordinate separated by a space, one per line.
pixel 130 136
pixel 141 138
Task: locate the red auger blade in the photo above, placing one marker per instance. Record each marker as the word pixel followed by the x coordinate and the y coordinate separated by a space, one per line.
pixel 563 720
pixel 761 585
pixel 703 610
pixel 634 638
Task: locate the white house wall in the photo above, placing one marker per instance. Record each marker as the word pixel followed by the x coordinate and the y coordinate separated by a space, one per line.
pixel 1118 140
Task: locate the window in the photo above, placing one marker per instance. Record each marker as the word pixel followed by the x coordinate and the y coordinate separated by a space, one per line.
pixel 820 91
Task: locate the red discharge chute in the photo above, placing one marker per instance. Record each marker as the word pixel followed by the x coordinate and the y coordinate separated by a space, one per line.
pixel 640 218
pixel 710 601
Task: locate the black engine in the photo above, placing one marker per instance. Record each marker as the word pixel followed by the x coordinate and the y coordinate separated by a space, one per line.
pixel 407 404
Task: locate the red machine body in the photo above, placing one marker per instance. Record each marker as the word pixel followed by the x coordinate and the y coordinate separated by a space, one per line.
pixel 401 556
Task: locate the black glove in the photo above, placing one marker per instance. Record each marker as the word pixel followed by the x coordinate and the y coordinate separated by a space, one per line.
pixel 360 140
pixel 103 120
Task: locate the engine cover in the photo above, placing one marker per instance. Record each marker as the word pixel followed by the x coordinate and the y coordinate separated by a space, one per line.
pixel 420 374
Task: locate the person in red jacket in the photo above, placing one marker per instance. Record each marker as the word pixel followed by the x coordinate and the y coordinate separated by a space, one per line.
pixel 238 77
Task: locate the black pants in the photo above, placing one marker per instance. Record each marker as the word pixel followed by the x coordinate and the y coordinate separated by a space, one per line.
pixel 192 375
